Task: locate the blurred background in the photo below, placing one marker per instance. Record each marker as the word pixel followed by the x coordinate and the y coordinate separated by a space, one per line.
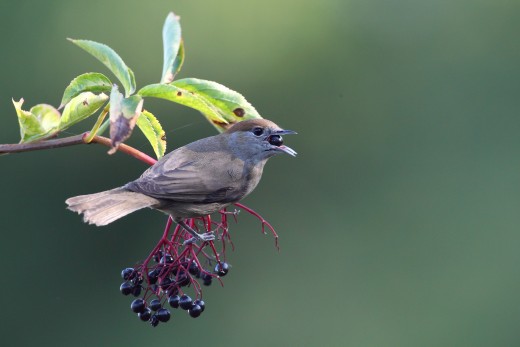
pixel 398 220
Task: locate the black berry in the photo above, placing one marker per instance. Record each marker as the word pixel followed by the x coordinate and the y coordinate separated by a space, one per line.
pixel 174 301
pixel 183 280
pixel 172 291
pixel 194 269
pixel 165 283
pixel 157 256
pixel 154 321
pixel 153 276
pixel 222 269
pixel 195 311
pixel 136 291
pixel 160 269
pixel 173 270
pixel 200 303
pixel 138 305
pixel 163 315
pixel 185 302
pixel 137 280
pixel 206 279
pixel 167 258
pixel 126 288
pixel 155 304
pixel 145 315
pixel 276 140
pixel 128 273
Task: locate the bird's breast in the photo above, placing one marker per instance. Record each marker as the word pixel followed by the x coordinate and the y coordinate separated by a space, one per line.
pixel 241 181
pixel 249 179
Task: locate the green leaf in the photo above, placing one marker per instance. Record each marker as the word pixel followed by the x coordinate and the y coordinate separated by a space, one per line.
pixel 132 80
pixel 48 116
pixel 88 82
pixel 81 107
pixel 112 60
pixel 183 97
pixel 231 105
pixel 153 131
pixel 171 44
pixel 179 60
pixel 38 123
pixel 123 116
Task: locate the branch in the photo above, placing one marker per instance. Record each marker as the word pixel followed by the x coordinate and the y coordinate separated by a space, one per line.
pixel 49 144
pixel 71 141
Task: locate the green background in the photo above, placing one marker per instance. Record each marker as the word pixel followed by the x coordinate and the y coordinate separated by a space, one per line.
pixel 398 219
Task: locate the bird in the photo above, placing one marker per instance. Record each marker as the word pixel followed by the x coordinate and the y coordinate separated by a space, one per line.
pixel 194 180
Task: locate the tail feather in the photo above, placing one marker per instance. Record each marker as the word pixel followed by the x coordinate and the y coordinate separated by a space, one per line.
pixel 105 207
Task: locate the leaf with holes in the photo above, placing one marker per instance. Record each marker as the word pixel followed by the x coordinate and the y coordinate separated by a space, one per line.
pixel 81 107
pixel 183 97
pixel 231 105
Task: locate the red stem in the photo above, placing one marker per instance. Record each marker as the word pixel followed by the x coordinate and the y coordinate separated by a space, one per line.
pixel 123 148
pixel 263 221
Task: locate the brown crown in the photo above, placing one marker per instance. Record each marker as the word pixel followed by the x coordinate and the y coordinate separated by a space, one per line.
pixel 249 124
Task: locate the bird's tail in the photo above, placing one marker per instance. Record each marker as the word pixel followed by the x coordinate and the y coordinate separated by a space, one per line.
pixel 105 207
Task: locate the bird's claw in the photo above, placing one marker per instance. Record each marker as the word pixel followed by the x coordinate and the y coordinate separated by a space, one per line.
pixel 209 236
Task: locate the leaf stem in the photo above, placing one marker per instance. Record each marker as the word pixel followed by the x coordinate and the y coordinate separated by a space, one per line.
pixel 98 125
pixel 103 127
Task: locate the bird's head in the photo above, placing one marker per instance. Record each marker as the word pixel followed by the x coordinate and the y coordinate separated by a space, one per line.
pixel 258 139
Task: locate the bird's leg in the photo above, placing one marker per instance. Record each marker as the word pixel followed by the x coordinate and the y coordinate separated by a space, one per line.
pixel 209 236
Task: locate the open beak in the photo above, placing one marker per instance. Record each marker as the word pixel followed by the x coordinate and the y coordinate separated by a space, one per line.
pixel 284 132
pixel 287 150
pixel 284 148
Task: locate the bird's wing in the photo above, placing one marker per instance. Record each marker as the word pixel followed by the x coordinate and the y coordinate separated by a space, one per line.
pixel 193 180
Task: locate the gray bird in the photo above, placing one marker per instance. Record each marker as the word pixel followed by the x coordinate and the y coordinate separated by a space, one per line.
pixel 195 180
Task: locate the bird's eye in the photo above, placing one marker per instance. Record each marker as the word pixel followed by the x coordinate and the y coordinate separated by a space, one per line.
pixel 258 131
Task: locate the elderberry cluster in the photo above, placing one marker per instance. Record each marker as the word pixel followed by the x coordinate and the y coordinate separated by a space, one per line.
pixel 154 312
pixel 164 283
